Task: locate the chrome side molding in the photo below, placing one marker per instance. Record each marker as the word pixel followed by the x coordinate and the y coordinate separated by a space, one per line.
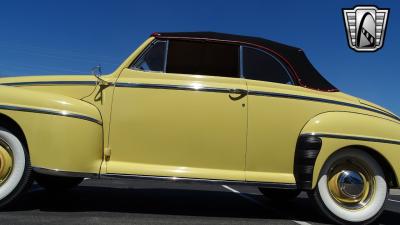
pixel 50 112
pixel 43 83
pixel 357 138
pixel 254 93
pixel 173 87
pixel 323 100
pixel 207 89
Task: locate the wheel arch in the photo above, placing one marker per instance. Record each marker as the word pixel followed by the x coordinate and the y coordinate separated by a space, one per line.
pixel 390 175
pixel 330 132
pixel 12 126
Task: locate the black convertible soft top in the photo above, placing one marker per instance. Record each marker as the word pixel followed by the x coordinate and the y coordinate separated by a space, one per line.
pixel 304 72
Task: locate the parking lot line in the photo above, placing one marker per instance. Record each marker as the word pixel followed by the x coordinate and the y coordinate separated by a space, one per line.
pixel 258 202
pixel 301 222
pixel 231 189
pixel 243 195
pixel 395 192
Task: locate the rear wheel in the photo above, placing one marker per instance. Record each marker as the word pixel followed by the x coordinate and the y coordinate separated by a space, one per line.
pixel 15 168
pixel 351 188
pixel 57 183
pixel 280 194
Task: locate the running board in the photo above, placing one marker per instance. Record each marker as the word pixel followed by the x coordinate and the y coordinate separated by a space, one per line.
pixel 198 180
pixel 113 176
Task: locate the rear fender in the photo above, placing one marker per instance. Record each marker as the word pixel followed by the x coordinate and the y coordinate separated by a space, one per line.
pixel 338 130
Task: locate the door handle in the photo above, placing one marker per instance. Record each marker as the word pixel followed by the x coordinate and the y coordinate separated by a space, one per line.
pixel 238 91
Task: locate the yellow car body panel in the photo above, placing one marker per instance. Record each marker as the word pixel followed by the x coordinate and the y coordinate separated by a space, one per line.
pixel 70 85
pixel 85 153
pixel 189 126
pixel 275 122
pixel 102 98
pixel 62 133
pixel 175 132
pixel 359 126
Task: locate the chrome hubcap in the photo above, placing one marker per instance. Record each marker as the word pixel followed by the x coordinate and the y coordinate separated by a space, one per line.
pixel 351 184
pixel 6 161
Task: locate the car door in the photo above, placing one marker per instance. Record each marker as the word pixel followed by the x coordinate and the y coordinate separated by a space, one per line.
pixel 275 120
pixel 180 111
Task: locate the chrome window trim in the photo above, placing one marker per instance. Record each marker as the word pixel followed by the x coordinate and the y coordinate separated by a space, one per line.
pixel 241 61
pixel 166 56
pixel 144 52
pixel 138 58
pixel 357 138
pixel 237 76
pixel 131 66
pixel 276 59
pixel 50 112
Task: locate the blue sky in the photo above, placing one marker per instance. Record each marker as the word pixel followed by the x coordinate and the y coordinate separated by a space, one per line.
pixel 71 36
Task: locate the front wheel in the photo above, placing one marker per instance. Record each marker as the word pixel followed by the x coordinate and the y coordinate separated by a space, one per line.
pixel 15 168
pixel 351 188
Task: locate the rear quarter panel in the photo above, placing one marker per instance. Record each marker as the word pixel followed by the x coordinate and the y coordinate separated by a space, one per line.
pixel 358 125
pixel 276 122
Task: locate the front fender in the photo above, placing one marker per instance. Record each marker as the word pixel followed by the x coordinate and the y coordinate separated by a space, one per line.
pixel 338 130
pixel 62 133
pixel 42 102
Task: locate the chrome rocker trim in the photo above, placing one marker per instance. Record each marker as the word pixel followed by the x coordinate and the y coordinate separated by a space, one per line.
pixel 113 176
pixel 198 180
pixel 60 173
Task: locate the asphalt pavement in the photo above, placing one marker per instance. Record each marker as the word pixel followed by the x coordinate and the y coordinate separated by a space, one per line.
pixel 145 202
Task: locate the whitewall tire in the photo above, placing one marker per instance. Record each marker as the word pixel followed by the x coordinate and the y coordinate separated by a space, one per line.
pixel 15 168
pixel 351 188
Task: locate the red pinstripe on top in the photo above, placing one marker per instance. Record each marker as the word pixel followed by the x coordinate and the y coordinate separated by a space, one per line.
pixel 298 79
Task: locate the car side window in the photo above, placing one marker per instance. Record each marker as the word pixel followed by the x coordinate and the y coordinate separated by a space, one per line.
pixel 260 65
pixel 153 59
pixel 203 58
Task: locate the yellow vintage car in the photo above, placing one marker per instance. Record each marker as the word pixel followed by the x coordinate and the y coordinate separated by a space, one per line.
pixel 203 107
